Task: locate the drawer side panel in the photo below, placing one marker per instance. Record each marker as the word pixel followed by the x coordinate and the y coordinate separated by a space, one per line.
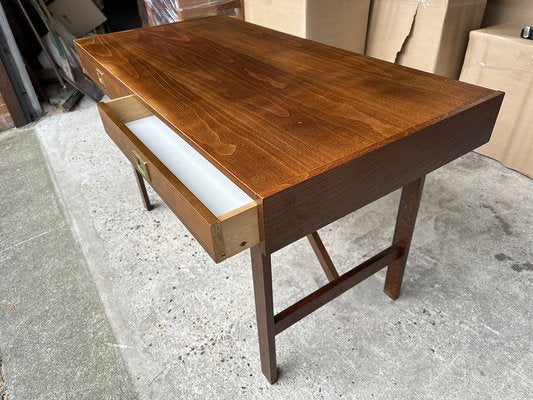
pixel 240 231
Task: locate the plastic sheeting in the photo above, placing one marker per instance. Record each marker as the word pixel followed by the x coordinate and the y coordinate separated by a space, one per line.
pixel 166 11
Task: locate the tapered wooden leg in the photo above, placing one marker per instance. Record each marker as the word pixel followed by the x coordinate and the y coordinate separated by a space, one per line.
pixel 323 257
pixel 264 309
pixel 142 189
pixel 405 225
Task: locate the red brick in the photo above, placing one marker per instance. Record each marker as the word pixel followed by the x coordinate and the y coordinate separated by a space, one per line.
pixel 3 110
pixel 6 121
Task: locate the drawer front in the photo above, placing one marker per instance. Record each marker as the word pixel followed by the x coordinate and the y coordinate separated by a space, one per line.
pixel 222 236
pixel 105 81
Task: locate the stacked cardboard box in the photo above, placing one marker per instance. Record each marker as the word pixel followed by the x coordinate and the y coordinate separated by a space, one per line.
pixel 498 58
pixel 340 23
pixel 430 35
pixel 516 12
pixel 77 16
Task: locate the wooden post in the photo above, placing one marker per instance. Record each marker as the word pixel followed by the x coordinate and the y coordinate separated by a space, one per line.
pixel 142 190
pixel 403 233
pixel 264 309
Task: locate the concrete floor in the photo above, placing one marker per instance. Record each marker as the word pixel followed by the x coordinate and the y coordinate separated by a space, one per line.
pixel 185 327
pixel 55 339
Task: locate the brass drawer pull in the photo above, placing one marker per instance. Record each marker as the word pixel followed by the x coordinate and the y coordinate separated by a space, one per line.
pixel 141 166
pixel 100 76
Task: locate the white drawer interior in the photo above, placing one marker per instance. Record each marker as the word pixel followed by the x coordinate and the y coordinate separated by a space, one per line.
pixel 217 192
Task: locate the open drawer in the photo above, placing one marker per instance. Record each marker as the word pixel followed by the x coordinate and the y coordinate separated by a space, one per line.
pixel 217 212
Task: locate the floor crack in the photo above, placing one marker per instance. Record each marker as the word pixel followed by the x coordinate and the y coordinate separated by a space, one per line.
pixel 31 238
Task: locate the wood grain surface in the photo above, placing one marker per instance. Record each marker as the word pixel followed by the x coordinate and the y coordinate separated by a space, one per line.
pixel 268 109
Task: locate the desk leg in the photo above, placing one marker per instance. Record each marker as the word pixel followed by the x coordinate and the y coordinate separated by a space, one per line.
pixel 405 225
pixel 142 189
pixel 323 256
pixel 264 309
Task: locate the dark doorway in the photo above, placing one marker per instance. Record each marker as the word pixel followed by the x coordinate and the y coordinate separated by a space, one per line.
pixel 122 14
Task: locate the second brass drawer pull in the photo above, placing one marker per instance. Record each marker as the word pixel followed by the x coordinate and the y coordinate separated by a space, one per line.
pixel 100 76
pixel 141 166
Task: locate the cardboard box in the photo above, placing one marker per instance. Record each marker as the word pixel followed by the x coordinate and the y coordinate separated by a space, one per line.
pixel 339 23
pixel 430 35
pixel 78 16
pixel 498 59
pixel 512 12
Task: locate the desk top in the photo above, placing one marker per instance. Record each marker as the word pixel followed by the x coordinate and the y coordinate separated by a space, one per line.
pixel 272 110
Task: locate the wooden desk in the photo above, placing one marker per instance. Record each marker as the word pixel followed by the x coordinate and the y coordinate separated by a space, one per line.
pixel 310 132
